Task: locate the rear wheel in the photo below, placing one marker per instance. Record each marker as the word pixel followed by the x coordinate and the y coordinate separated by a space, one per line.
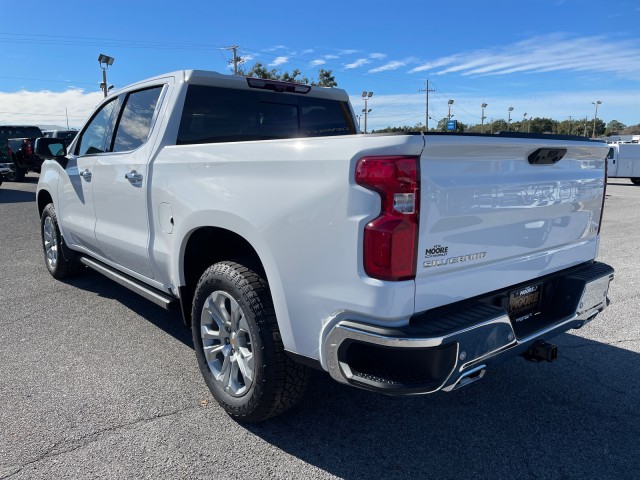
pixel 238 345
pixel 52 241
pixel 635 180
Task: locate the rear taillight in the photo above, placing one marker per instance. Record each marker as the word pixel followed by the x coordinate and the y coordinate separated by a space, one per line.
pixel 391 239
pixel 27 148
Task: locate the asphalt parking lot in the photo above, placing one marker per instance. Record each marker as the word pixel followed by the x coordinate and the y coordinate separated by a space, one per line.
pixel 96 382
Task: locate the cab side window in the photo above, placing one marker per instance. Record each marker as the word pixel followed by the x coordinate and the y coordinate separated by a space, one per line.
pixel 135 122
pixel 96 137
pixel 610 155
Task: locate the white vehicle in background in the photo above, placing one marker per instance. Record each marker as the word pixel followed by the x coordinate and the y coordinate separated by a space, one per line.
pixel 623 161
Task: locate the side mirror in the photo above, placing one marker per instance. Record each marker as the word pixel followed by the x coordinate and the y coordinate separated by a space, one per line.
pixel 51 149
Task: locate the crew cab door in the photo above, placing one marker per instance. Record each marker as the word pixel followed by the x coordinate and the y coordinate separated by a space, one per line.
pixel 75 207
pixel 121 181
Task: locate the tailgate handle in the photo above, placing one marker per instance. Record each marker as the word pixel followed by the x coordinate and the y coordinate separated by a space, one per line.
pixel 547 156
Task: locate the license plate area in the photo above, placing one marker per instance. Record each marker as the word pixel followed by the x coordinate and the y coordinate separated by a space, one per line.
pixel 524 302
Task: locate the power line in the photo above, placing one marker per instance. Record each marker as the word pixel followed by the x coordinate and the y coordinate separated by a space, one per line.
pixel 44 114
pixel 48 80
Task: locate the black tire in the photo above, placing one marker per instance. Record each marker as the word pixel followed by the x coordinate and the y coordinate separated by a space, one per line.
pixel 52 244
pixel 270 382
pixel 11 176
pixel 635 180
pixel 19 174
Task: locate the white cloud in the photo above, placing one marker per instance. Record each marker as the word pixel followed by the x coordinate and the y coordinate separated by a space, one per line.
pixel 548 53
pixel 279 61
pixel 331 57
pixel 348 52
pixel 388 66
pixel 435 64
pixel 307 51
pixel 378 56
pixel 358 63
pixel 48 108
pixel 318 61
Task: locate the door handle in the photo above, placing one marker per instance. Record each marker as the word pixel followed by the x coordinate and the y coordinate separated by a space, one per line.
pixel 86 174
pixel 133 176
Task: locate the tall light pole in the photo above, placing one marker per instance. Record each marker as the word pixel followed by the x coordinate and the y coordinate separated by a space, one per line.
pixel 509 120
pixel 107 61
pixel 524 120
pixel 449 103
pixel 484 105
pixel 596 103
pixel 366 96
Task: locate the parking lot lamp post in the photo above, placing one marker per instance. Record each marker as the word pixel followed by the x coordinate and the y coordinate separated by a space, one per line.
pixel 509 119
pixel 449 103
pixel 105 60
pixel 524 120
pixel 366 96
pixel 484 105
pixel 596 103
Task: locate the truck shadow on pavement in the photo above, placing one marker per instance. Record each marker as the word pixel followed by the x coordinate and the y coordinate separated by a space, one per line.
pixel 15 196
pixel 167 321
pixel 574 418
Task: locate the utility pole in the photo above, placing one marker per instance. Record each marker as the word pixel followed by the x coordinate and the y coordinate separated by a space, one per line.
pixel 483 106
pixel 426 116
pixel 569 124
pixel 449 103
pixel 235 57
pixel 596 103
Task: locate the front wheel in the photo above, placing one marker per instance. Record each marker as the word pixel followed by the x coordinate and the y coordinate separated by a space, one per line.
pixel 238 345
pixel 635 180
pixel 58 266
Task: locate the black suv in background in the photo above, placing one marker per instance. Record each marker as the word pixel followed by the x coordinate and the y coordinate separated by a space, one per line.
pixel 16 150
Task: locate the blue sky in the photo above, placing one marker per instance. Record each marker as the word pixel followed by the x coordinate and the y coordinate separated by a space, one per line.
pixel 545 57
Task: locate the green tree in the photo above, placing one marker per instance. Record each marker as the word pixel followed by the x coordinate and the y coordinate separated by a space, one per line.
pixel 404 129
pixel 632 130
pixel 442 126
pixel 614 127
pixel 325 79
pixel 543 125
pixel 258 70
pixel 496 126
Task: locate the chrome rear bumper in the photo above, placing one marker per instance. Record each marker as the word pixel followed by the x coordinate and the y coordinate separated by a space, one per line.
pixel 448 350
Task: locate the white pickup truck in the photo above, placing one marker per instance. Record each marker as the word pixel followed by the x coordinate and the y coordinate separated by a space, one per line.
pixel 402 264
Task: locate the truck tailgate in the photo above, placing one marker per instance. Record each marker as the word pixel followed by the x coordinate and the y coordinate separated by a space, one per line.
pixel 490 218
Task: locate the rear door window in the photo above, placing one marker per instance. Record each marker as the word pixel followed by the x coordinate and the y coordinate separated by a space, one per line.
pixel 135 122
